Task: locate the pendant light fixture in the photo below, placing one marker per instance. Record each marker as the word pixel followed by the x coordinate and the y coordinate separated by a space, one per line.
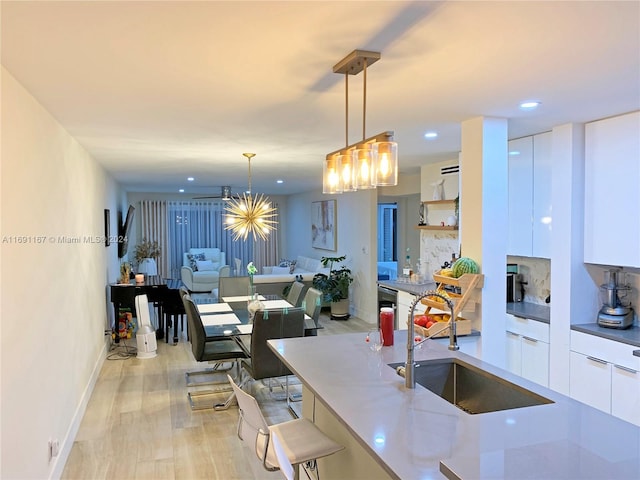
pixel 370 162
pixel 250 214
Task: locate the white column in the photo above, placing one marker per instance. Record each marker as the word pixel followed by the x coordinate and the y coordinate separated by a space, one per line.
pixel 483 228
pixel 573 292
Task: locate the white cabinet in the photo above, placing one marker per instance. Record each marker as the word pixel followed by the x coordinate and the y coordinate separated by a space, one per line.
pixel 529 232
pixel 527 349
pixel 520 164
pixel 541 229
pixel 625 393
pixel 590 381
pixel 612 196
pixel 606 375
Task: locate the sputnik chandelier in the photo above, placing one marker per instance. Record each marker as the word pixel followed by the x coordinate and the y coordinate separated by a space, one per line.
pixel 371 162
pixel 250 214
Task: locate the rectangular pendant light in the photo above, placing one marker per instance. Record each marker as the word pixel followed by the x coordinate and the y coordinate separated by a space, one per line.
pixel 371 162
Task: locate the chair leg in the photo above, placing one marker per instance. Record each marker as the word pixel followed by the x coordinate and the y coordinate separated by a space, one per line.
pixel 217 368
pixel 231 399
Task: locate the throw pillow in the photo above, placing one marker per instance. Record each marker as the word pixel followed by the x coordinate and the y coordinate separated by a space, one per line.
pixel 193 258
pixel 288 263
pixel 205 265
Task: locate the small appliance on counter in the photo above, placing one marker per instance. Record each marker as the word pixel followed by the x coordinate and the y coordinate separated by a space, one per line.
pixel 515 287
pixel 616 311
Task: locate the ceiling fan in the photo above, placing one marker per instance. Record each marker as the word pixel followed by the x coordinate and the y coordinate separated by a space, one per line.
pixel 225 194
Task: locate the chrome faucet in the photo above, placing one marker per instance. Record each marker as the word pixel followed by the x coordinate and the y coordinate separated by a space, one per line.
pixel 409 370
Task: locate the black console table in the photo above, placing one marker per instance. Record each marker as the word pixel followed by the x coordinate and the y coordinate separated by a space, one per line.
pixel 123 296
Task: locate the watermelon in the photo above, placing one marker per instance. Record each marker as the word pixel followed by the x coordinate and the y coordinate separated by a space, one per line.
pixel 464 265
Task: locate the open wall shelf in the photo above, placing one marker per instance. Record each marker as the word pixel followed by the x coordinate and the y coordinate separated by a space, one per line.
pixel 435 227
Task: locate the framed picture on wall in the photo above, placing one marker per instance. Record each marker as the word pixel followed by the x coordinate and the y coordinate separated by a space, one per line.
pixel 323 225
pixel 107 227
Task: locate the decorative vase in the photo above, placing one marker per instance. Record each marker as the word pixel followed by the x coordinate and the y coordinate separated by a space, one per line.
pixel 148 266
pixel 253 302
pixel 125 273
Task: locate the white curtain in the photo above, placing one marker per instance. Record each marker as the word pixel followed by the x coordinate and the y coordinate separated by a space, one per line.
pixel 154 228
pixel 179 226
pixel 266 251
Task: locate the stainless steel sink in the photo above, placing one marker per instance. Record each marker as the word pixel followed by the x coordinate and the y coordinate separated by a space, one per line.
pixel 470 388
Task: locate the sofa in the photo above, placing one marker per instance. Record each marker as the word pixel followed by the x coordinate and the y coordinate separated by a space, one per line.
pixel 202 269
pixel 275 278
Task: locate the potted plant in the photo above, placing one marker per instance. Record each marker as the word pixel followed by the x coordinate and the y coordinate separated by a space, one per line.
pixel 335 286
pixel 145 254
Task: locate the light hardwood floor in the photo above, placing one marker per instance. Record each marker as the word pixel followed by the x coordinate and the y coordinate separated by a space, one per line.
pixel 138 423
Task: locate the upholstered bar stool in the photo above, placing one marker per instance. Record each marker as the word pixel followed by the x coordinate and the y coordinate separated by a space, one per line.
pixel 300 440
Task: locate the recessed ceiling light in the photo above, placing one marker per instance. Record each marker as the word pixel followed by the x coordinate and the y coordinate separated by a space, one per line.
pixel 279 181
pixel 430 135
pixel 514 152
pixel 529 105
pixel 190 179
pixel 181 190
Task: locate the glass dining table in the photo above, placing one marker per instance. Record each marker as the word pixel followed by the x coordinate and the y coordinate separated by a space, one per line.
pixel 231 317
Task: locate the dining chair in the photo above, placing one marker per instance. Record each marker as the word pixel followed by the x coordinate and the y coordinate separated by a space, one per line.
pixel 312 304
pixel 217 352
pixel 294 297
pixel 269 324
pixel 300 440
pixel 233 287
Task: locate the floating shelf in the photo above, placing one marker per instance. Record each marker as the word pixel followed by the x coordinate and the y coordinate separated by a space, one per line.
pixel 436 227
pixel 439 202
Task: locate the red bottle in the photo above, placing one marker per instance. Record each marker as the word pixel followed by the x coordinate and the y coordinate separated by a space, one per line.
pixel 386 326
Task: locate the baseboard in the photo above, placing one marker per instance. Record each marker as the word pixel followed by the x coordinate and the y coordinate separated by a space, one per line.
pixel 59 462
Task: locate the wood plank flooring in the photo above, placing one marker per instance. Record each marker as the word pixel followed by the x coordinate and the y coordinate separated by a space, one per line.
pixel 139 425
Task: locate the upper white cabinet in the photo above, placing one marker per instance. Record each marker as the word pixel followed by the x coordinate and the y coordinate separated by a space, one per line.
pixel 520 239
pixel 529 233
pixel 612 193
pixel 541 247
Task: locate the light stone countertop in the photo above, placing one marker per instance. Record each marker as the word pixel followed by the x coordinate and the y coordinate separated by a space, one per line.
pixel 410 432
pixel 412 288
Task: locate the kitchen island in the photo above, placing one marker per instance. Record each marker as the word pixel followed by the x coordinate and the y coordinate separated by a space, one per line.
pixel 393 432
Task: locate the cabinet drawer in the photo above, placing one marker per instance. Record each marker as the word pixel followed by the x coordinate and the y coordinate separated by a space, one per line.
pixel 610 351
pixel 528 328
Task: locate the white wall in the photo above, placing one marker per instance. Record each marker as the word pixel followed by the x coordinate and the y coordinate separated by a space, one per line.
pixel 356 220
pixel 53 309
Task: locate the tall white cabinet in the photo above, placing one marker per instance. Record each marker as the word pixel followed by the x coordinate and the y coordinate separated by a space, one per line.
pixel 529 232
pixel 612 196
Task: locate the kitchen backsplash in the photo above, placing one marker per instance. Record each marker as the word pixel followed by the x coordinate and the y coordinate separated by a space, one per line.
pixel 537 273
pixel 436 248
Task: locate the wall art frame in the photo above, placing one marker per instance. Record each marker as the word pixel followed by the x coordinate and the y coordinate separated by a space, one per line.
pixel 324 233
pixel 107 227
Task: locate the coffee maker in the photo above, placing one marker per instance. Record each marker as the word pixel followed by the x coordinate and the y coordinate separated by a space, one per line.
pixel 616 311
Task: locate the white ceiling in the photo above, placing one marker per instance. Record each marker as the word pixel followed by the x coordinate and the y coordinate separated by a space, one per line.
pixel 157 91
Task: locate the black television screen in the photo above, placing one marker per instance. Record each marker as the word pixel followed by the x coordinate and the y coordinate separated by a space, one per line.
pixel 125 232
